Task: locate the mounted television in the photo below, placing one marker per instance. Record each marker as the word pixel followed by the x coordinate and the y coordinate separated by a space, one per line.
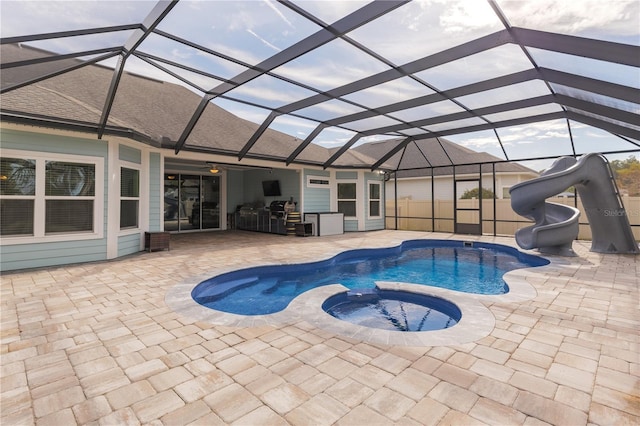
pixel 271 188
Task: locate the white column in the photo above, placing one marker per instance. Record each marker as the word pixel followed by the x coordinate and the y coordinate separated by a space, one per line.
pixel 113 200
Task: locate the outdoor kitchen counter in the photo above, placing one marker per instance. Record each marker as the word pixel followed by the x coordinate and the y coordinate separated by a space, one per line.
pixel 326 223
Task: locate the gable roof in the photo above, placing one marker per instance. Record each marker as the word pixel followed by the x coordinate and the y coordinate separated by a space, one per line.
pixel 418 157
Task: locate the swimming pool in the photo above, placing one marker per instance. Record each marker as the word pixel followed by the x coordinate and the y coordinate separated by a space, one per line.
pixel 456 265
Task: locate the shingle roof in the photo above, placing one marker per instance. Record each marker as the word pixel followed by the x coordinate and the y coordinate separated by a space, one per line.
pixel 153 108
pixel 418 157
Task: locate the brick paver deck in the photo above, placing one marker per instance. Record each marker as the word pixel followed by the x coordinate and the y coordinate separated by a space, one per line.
pixel 96 344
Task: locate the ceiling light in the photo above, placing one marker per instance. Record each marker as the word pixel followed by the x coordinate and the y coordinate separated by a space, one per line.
pixel 214 169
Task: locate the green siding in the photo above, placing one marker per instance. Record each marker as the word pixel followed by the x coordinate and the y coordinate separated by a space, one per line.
pixel 350 225
pixel 316 200
pixel 322 173
pixel 25 256
pixel 29 141
pixel 346 175
pixel 155 196
pixel 128 244
pixel 132 155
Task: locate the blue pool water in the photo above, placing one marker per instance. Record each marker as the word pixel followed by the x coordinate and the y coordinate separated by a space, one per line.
pixel 393 310
pixel 440 263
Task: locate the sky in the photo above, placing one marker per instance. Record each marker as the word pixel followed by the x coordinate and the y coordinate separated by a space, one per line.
pixel 248 32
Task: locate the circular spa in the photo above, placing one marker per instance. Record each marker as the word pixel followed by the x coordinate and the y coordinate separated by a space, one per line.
pixel 393 310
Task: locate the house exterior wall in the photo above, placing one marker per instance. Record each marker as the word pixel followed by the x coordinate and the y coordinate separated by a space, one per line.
pixel 29 252
pixel 352 224
pixel 252 187
pixel 106 240
pixel 373 222
pixel 316 197
pixel 322 197
pixel 129 241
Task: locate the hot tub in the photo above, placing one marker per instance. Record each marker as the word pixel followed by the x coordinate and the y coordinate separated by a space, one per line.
pixel 393 310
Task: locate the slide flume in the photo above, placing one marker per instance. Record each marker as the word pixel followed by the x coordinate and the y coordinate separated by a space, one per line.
pixel 556 225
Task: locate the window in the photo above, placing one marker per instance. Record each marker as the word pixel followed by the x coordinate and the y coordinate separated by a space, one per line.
pixel 42 197
pixel 374 199
pixel 69 193
pixel 18 192
pixel 129 197
pixel 347 199
pixel 317 182
pixel 505 192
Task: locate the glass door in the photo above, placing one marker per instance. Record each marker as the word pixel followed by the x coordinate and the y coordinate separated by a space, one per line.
pixel 189 198
pixel 206 214
pixel 171 201
pixel 191 202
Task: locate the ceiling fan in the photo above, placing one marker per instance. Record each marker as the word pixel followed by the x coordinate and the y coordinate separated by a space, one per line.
pixel 214 169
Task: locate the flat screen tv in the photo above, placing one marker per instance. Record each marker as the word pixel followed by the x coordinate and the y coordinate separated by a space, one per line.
pixel 271 188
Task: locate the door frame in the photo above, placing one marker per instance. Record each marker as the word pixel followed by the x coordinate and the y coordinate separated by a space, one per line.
pixel 464 227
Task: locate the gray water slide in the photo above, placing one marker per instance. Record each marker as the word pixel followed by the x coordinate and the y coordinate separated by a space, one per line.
pixel 556 225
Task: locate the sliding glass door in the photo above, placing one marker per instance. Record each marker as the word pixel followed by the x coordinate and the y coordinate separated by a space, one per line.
pixel 191 202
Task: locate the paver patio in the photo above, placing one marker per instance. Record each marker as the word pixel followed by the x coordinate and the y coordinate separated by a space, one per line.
pixel 96 344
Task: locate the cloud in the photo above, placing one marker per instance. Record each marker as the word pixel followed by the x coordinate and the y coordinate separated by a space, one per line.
pixel 578 125
pixel 253 114
pixel 181 54
pixel 329 109
pixel 333 137
pixel 293 125
pixel 277 12
pixel 513 137
pixel 479 142
pixel 316 76
pixel 598 135
pixel 575 16
pixel 533 129
pixel 549 135
pixel 468 16
pixel 263 41
pixel 265 94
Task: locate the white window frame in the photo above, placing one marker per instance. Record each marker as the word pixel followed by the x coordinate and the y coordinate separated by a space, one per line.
pixel 505 192
pixel 355 182
pixel 369 199
pixel 324 182
pixel 40 198
pixel 132 166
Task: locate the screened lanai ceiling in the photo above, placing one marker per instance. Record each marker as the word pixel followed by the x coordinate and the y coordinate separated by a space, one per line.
pixel 520 80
